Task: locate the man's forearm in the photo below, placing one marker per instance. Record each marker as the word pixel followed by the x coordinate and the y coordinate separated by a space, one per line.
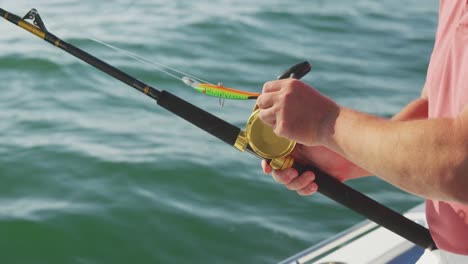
pixel 424 157
pixel 417 109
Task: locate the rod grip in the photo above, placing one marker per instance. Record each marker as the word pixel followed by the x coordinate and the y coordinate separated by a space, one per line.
pixel 374 211
pixel 199 117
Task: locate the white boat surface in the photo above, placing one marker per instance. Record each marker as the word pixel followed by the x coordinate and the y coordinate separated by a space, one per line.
pixel 364 243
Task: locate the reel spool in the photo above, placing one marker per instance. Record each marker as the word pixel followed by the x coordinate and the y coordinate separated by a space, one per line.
pixel 265 143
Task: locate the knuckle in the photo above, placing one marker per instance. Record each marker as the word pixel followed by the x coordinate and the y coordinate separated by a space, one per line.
pixel 293 85
pixel 291 91
pixel 267 86
pixel 291 82
pixel 288 95
pixel 260 101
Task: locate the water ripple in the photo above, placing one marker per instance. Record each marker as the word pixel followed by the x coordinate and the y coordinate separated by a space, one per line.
pixel 37 209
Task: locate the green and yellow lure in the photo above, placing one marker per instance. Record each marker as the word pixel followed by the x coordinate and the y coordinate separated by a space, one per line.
pixel 219 90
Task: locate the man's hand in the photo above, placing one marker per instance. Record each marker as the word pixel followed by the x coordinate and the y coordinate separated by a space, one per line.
pixel 322 157
pixel 426 157
pixel 297 111
pixel 303 184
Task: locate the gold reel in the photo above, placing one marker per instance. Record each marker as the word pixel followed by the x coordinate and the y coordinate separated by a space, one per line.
pixel 261 138
pixel 264 142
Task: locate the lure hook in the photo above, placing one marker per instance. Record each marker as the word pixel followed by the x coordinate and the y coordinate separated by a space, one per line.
pixel 221 99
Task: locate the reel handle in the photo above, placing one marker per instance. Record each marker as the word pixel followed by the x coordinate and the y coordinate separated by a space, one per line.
pixel 296 71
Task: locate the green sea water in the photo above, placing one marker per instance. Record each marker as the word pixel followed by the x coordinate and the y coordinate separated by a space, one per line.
pixel 92 171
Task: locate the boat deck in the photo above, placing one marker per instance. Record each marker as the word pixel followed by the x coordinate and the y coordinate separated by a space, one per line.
pixel 364 243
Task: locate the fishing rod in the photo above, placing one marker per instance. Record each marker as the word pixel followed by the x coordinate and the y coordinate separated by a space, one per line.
pixel 257 139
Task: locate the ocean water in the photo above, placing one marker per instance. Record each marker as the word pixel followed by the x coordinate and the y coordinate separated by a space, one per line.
pixel 91 171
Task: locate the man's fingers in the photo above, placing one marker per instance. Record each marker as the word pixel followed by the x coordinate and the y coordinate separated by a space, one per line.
pixel 267 169
pixel 272 86
pixel 308 190
pixel 302 181
pixel 268 116
pixel 265 101
pixel 285 176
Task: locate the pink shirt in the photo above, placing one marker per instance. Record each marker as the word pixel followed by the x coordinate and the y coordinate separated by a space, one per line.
pixel 447 89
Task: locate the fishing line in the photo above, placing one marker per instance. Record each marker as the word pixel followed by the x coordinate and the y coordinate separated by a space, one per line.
pixel 195 82
pixel 198 84
pixel 157 65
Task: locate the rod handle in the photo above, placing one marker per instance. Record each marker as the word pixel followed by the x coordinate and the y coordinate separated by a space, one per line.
pixel 371 209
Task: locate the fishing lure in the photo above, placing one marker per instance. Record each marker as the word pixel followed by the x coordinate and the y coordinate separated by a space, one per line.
pixel 219 90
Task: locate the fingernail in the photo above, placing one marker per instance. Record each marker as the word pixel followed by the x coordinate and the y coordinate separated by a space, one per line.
pixel 312 175
pixel 314 187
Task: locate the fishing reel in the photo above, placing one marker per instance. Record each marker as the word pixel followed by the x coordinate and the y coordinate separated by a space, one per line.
pixel 260 138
